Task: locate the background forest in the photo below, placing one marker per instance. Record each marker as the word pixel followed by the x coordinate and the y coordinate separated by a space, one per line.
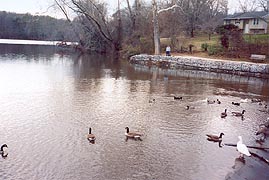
pixel 26 26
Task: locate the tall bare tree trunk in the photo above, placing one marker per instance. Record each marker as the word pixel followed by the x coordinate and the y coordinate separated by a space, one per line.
pixel 119 38
pixel 157 50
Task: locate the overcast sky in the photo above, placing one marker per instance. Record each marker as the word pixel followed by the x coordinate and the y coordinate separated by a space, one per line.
pixel 40 7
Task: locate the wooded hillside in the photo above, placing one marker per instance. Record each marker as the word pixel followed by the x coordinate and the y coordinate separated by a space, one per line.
pixel 26 26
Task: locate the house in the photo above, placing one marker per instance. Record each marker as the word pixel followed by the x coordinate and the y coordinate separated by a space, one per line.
pixel 256 22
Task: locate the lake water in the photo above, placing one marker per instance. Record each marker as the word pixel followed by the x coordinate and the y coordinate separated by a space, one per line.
pixel 49 99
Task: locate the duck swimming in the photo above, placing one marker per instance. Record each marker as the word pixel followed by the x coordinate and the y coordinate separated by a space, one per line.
pixel 189 107
pixel 210 101
pixel 177 98
pixel 215 138
pixel 236 103
pixel 134 135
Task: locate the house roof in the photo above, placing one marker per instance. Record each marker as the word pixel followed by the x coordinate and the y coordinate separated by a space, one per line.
pixel 247 15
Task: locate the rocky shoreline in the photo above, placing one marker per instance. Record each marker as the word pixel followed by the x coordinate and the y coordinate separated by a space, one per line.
pixel 205 64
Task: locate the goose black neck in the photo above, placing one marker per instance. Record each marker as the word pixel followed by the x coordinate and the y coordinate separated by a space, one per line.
pixel 2 147
pixel 90 130
pixel 127 129
pixel 220 136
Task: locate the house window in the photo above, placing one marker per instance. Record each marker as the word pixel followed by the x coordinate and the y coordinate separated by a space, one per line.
pixel 237 21
pixel 228 21
pixel 255 21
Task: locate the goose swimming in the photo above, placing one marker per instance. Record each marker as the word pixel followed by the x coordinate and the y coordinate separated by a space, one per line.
pixel 262 130
pixel 90 136
pixel 134 135
pixel 239 113
pixel 2 152
pixel 215 138
pixel 223 114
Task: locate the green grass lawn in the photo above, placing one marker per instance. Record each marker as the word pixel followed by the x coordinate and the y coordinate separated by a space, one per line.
pixel 199 40
pixel 256 38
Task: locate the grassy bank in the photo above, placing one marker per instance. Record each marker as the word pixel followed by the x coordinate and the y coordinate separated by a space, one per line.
pixel 184 42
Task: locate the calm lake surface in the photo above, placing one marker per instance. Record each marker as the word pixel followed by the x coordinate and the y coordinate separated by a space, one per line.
pixel 49 99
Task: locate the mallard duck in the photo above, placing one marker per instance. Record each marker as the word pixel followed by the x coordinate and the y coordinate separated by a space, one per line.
pixel 177 98
pixel 189 107
pixel 242 148
pixel 215 138
pixel 223 114
pixel 90 136
pixel 239 113
pixel 255 100
pixel 134 135
pixel 218 101
pixel 236 103
pixel 210 101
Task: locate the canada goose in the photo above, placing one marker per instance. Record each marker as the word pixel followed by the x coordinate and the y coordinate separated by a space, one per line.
pixel 218 101
pixel 134 135
pixel 2 151
pixel 189 107
pixel 263 130
pixel 177 98
pixel 2 148
pixel 236 103
pixel 90 136
pixel 242 148
pixel 152 101
pixel 215 138
pixel 223 114
pixel 210 101
pixel 239 113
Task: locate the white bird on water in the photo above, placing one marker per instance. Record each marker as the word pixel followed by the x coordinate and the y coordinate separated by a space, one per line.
pixel 242 148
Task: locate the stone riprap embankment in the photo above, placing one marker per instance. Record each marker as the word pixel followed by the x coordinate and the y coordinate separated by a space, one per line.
pixel 197 63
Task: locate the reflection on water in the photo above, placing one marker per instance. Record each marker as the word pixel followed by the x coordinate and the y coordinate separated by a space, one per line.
pixel 49 99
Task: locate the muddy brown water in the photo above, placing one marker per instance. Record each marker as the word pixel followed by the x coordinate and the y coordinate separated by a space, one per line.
pixel 48 99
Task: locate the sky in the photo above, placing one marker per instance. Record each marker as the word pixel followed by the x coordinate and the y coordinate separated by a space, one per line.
pixel 41 7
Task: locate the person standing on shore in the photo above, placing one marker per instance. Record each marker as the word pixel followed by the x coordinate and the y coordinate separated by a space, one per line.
pixel 168 50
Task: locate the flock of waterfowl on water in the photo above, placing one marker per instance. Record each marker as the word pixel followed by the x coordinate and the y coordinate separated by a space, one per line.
pixel 241 148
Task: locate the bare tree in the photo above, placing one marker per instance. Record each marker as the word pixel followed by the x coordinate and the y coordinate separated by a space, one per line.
pixel 264 4
pixel 248 5
pixel 156 32
pixel 95 13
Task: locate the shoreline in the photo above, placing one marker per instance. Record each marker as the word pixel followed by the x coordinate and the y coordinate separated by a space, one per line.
pixel 243 68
